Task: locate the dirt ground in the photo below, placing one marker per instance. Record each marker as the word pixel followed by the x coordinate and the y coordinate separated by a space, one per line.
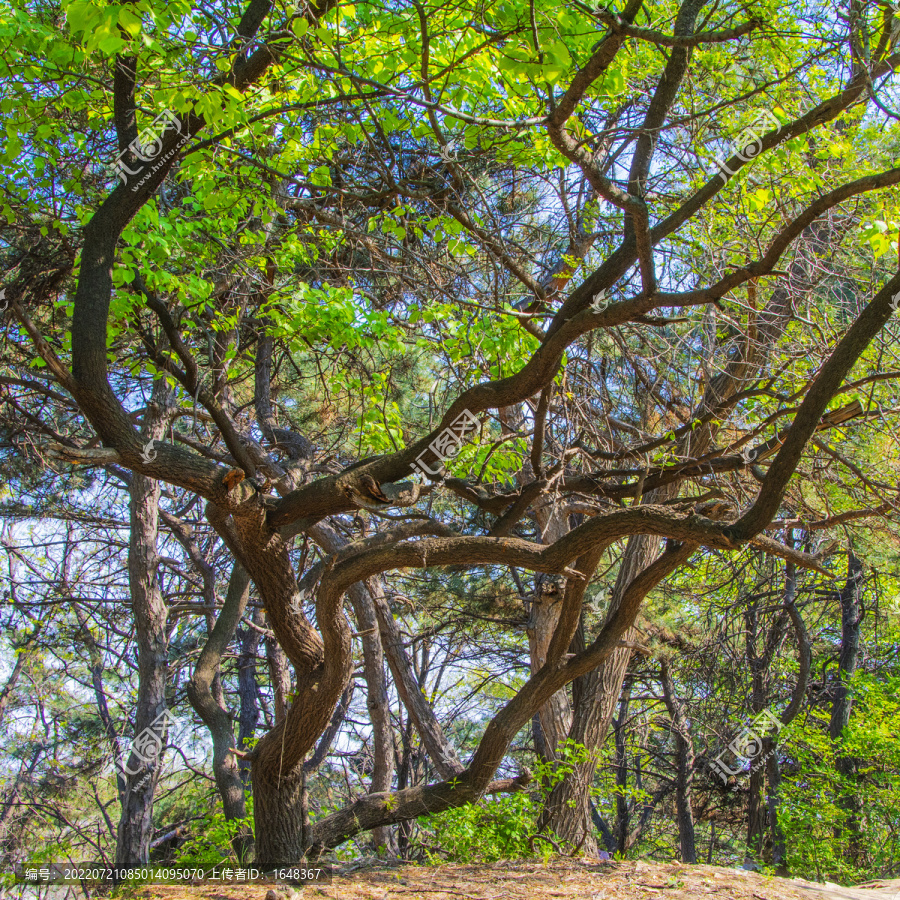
pixel 564 879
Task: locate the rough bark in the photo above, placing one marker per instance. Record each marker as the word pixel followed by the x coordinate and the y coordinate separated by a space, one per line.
pixel 850 597
pixel 377 699
pixel 212 711
pixel 684 764
pixel 136 823
pixel 322 662
pixel 554 717
pixel 248 688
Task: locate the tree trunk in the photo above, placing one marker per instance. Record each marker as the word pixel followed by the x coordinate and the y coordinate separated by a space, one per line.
pixel 757 812
pixel 377 700
pixel 567 810
pixel 142 771
pixel 248 689
pixel 553 720
pixel 96 669
pixel 322 662
pixel 555 716
pixel 759 664
pixel 277 802
pixel 684 760
pixel 779 850
pixel 203 698
pixel 623 809
pixel 421 713
pixel 851 617
pixel 378 704
pixel 279 677
pixel 773 767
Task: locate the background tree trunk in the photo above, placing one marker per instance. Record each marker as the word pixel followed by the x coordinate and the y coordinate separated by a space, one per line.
pixel 378 704
pixel 377 700
pixel 207 703
pixel 248 688
pixel 684 761
pixel 851 617
pixel 279 677
pixel 135 829
pixel 567 810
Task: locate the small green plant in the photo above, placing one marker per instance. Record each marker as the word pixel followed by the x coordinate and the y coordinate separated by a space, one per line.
pixel 211 844
pixel 502 827
pixel 492 829
pixel 843 827
pixel 570 755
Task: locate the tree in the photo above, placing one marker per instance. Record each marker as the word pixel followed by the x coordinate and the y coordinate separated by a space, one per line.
pixel 498 151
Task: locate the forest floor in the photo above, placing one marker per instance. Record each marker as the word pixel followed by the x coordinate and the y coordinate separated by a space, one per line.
pixel 559 879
